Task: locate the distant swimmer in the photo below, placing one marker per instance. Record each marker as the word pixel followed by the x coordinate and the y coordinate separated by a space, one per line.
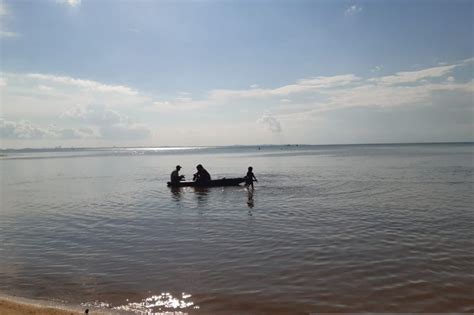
pixel 175 177
pixel 202 176
pixel 250 177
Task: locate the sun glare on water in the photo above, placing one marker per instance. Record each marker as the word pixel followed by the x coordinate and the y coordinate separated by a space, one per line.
pixel 165 303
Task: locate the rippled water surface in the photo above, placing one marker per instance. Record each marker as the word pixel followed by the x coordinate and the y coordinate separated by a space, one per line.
pixel 327 229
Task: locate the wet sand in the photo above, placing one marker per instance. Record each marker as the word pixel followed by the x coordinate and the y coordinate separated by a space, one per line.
pixel 10 306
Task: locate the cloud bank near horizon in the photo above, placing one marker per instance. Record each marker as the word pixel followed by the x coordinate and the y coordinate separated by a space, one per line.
pixel 33 102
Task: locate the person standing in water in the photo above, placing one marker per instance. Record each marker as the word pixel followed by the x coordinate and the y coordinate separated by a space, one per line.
pixel 250 177
pixel 175 177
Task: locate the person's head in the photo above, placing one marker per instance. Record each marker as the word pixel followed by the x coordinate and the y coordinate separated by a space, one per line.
pixel 199 167
pixel 178 167
pixel 250 168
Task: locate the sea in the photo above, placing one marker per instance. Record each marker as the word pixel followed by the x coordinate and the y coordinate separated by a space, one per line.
pixel 326 229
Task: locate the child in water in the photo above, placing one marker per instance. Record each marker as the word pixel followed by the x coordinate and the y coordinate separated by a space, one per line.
pixel 250 177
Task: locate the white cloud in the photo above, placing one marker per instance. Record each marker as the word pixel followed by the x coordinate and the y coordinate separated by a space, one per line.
pixel 301 86
pixel 181 104
pixel 72 3
pixel 94 115
pixel 326 92
pixel 353 9
pixel 84 84
pixel 270 123
pixel 329 82
pixel 414 76
pixel 42 97
pixel 45 96
pixel 380 96
pixel 467 61
pixel 110 123
pixel 24 129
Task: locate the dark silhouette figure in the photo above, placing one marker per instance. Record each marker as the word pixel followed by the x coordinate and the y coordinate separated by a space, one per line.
pixel 175 177
pixel 202 176
pixel 250 177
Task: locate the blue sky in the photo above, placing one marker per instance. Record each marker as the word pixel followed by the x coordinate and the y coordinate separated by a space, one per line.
pixel 235 72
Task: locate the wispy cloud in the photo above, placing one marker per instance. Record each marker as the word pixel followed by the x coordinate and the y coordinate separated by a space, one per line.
pixel 352 10
pixel 3 9
pixel 376 69
pixel 414 76
pixel 72 3
pixel 332 92
pixel 5 15
pixel 302 86
pixel 8 34
pixel 84 84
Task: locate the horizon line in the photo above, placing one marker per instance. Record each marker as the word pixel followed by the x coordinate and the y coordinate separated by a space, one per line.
pixel 67 148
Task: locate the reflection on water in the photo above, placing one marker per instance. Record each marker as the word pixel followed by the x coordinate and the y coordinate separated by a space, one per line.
pixel 250 202
pixel 177 193
pixel 201 195
pixel 165 303
pixel 162 304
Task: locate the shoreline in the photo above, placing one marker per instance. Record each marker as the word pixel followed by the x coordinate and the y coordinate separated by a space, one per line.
pixel 15 305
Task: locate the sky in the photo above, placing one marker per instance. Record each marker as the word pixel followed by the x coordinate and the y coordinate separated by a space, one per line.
pixel 84 73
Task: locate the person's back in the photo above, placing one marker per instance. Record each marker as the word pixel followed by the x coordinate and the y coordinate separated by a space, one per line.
pixel 202 175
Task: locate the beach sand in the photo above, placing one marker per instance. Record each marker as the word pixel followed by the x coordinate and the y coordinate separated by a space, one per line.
pixel 10 307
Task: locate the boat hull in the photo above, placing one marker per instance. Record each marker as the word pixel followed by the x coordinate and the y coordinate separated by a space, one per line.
pixel 212 183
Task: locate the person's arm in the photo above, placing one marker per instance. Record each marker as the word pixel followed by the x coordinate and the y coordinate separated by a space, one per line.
pixel 253 175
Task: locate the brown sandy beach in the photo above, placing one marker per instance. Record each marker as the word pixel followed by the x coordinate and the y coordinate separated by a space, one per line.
pixel 18 306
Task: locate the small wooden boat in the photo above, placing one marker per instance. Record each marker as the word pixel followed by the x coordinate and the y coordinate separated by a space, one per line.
pixel 212 183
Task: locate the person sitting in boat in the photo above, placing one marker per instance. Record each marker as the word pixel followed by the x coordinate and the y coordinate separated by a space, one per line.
pixel 202 175
pixel 175 177
pixel 250 177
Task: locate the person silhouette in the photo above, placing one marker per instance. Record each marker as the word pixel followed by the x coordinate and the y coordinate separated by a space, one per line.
pixel 175 177
pixel 202 176
pixel 250 177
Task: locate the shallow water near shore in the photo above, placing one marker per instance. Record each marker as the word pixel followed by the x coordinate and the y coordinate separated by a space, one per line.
pixel 368 228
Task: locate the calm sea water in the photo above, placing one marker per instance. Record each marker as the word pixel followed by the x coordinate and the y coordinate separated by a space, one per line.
pixel 369 228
